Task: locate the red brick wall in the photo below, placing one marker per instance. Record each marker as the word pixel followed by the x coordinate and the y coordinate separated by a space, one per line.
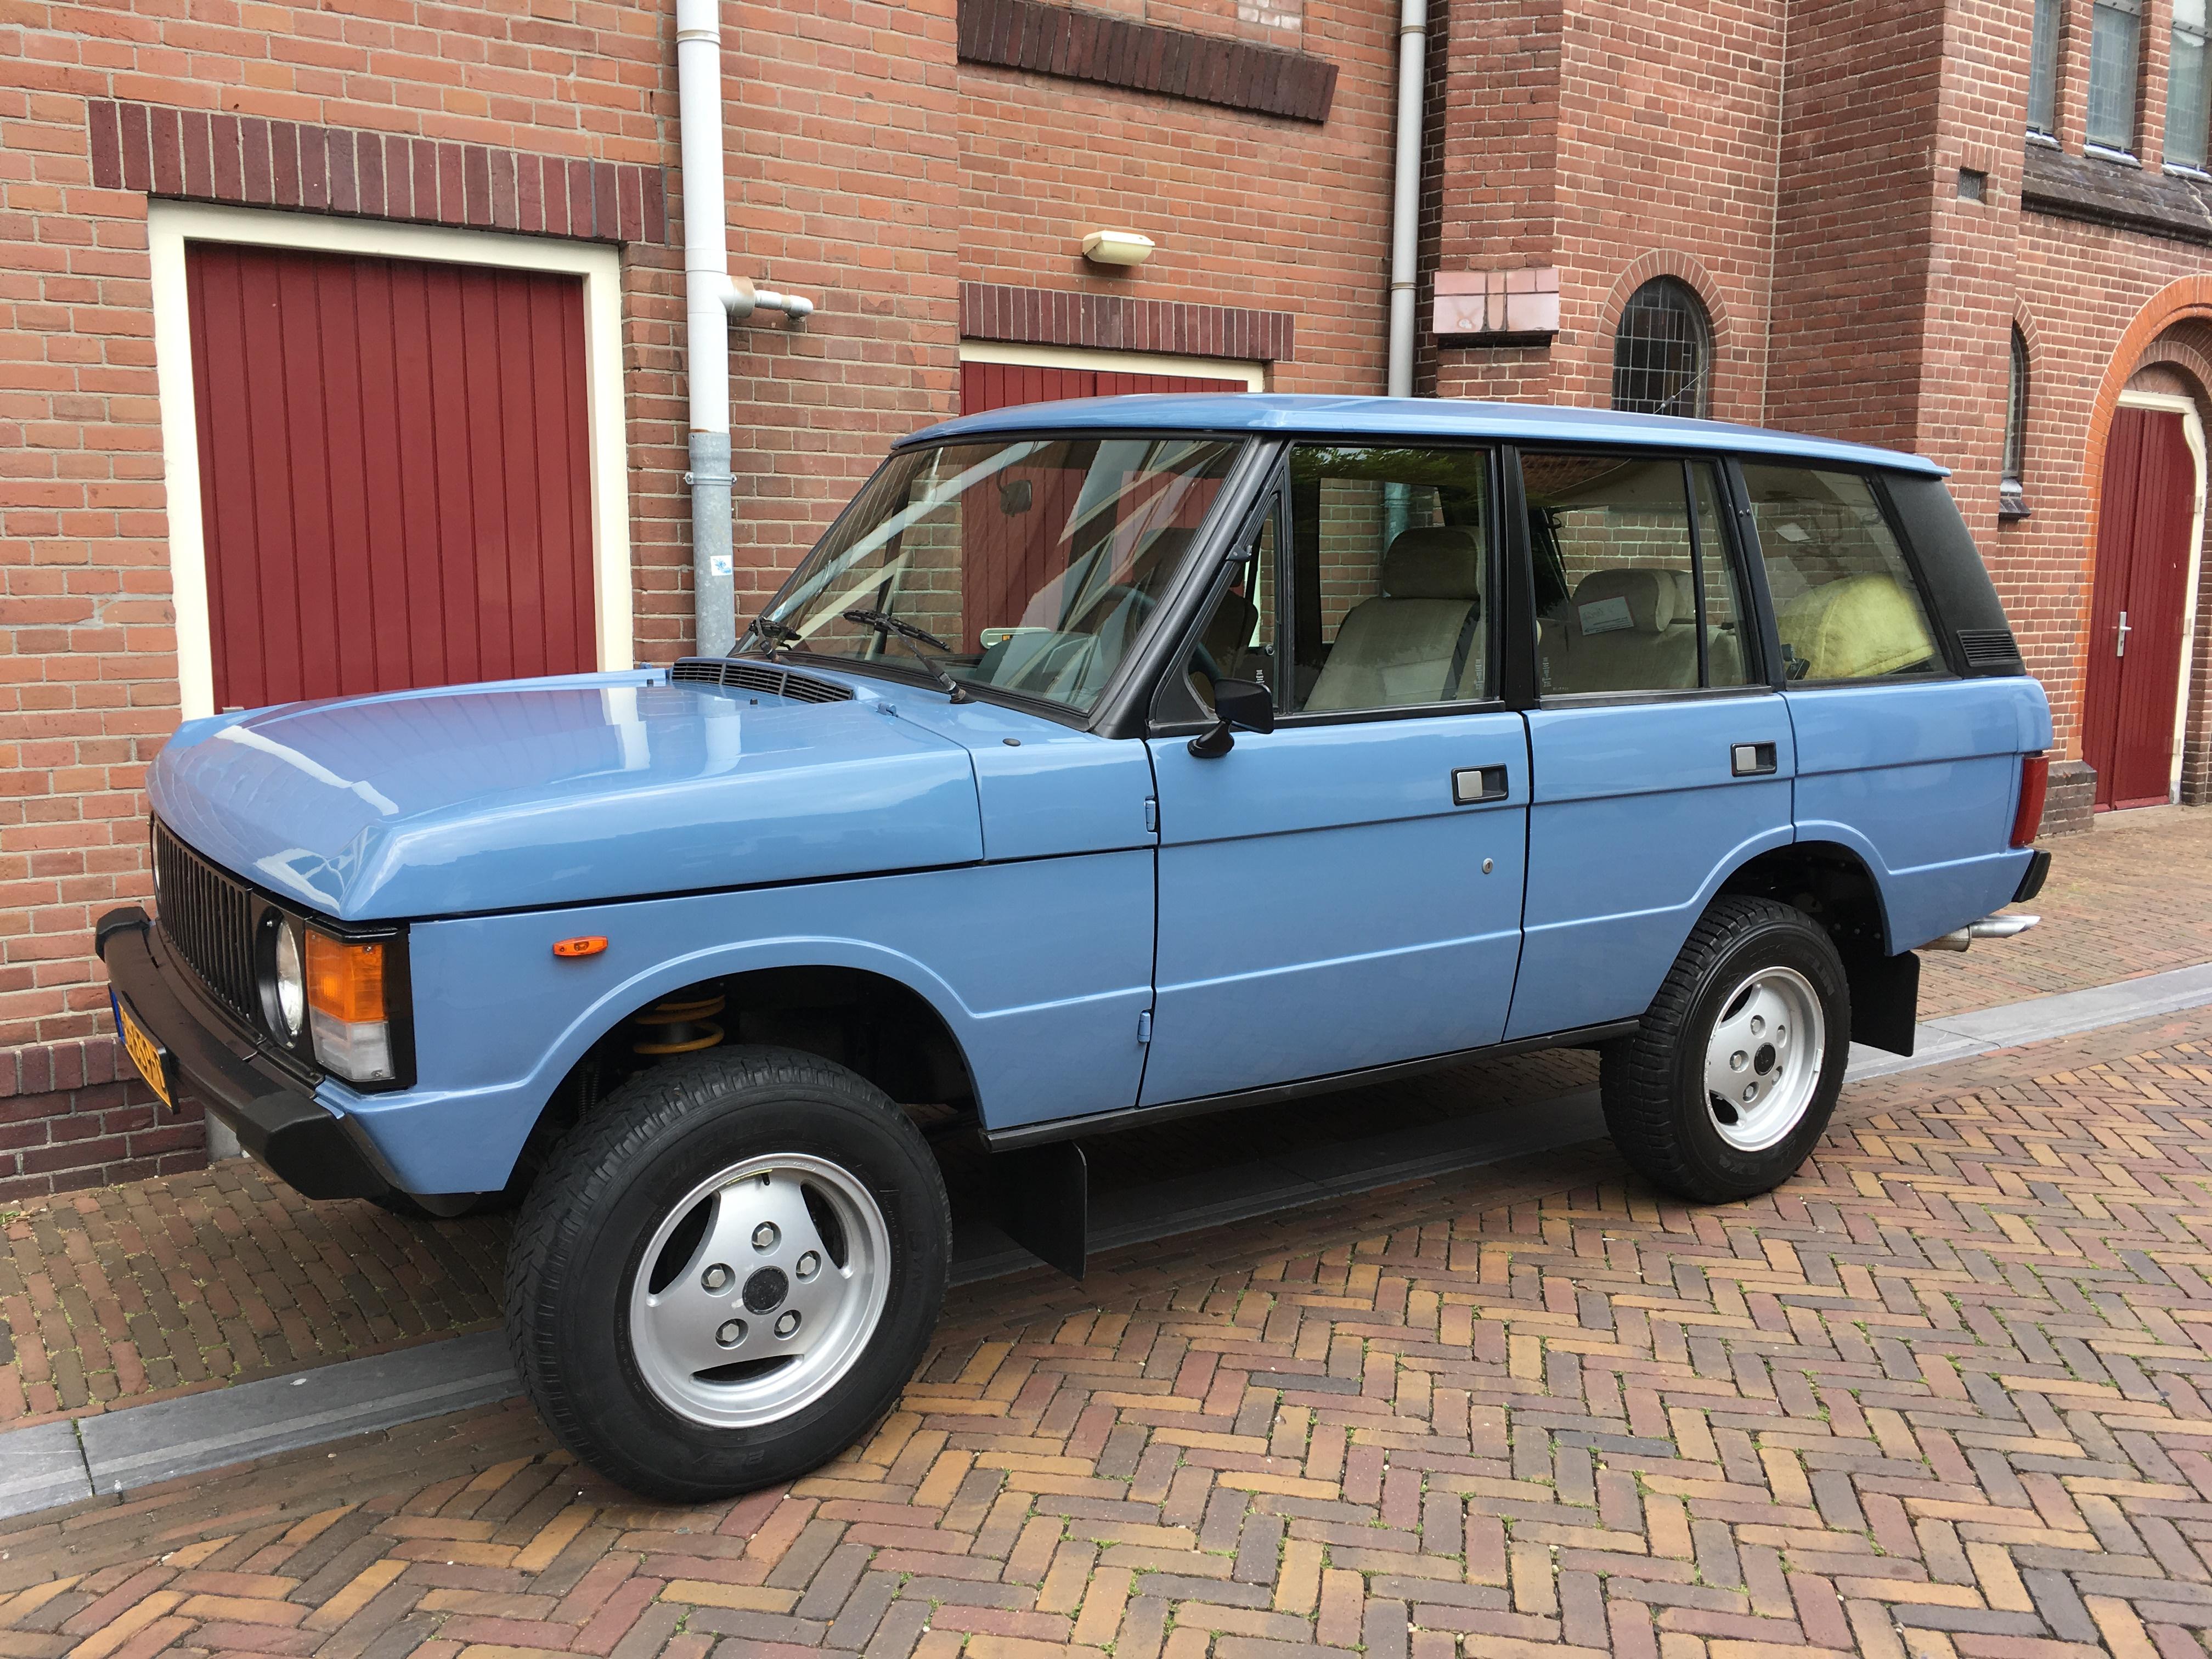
pixel 72 1115
pixel 1617 142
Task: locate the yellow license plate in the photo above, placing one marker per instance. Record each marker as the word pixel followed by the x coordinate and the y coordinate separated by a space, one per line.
pixel 145 1054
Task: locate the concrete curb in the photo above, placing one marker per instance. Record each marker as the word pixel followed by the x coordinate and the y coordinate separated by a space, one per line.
pixel 65 1462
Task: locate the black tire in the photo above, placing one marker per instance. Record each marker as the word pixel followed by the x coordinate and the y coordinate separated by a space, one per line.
pixel 1657 1104
pixel 616 1178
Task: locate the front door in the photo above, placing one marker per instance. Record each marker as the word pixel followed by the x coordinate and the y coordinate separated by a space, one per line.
pixel 1663 757
pixel 2135 626
pixel 1344 891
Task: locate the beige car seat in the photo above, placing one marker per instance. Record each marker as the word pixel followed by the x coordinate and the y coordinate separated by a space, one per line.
pixel 1855 629
pixel 1420 639
pixel 1630 629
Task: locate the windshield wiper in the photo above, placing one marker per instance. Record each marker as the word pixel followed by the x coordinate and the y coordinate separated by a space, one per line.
pixel 888 626
pixel 776 635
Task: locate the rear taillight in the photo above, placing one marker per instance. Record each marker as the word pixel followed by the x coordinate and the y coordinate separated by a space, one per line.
pixel 2034 779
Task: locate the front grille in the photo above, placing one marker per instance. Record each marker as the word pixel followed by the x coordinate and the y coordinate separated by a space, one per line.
pixel 208 915
pixel 1989 647
pixel 757 676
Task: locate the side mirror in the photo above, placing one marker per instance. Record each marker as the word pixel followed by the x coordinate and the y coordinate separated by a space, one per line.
pixel 1245 704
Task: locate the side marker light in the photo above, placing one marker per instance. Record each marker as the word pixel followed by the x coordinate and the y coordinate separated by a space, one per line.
pixel 580 947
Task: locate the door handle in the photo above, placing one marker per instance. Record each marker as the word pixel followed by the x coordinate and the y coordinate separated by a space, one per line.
pixel 1752 760
pixel 2125 630
pixel 1474 784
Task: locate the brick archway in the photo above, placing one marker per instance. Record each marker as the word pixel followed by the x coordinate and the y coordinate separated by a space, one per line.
pixel 2186 299
pixel 2173 329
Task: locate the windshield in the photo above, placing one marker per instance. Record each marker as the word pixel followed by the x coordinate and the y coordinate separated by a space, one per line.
pixel 1025 564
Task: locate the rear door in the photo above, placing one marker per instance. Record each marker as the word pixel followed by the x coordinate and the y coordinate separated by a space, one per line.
pixel 1344 891
pixel 1913 769
pixel 1661 759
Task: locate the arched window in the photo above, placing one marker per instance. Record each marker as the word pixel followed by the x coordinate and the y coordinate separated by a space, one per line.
pixel 2012 493
pixel 1662 351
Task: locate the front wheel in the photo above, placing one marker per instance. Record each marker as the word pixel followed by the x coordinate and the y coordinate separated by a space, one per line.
pixel 726 1273
pixel 1731 1078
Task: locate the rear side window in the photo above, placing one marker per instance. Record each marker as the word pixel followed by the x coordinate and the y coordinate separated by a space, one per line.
pixel 1846 606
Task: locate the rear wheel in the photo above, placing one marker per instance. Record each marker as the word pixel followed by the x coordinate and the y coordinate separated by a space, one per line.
pixel 727 1272
pixel 1731 1078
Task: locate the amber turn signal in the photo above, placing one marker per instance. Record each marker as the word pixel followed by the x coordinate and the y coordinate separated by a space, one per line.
pixel 351 1031
pixel 345 981
pixel 580 947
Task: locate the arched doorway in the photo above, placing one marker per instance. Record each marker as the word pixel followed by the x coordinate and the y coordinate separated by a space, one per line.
pixel 2149 533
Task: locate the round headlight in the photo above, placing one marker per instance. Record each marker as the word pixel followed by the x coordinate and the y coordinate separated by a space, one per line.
pixel 289 982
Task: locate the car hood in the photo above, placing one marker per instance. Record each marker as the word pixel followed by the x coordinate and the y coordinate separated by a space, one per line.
pixel 560 792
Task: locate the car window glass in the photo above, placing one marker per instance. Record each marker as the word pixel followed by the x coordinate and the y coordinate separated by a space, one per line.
pixel 1390 567
pixel 1634 588
pixel 1030 564
pixel 1238 640
pixel 1846 604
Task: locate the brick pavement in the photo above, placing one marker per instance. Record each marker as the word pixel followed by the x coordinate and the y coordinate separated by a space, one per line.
pixel 123 1295
pixel 2133 897
pixel 1942 1396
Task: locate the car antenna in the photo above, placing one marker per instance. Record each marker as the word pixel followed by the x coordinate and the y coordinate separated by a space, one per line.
pixel 887 625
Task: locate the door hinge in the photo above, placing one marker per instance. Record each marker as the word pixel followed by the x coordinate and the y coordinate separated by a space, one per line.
pixel 1145 1027
pixel 1152 816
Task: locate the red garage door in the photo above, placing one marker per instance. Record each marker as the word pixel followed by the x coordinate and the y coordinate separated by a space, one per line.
pixel 394 484
pixel 1000 385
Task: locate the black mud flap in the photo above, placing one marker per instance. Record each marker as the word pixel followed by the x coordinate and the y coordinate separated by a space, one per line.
pixel 1040 1199
pixel 2031 878
pixel 1885 999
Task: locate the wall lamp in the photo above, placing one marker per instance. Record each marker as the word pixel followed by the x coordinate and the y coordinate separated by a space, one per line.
pixel 1116 247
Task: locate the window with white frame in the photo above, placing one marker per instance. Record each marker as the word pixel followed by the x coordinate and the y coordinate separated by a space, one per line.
pixel 2043 69
pixel 2114 57
pixel 2185 105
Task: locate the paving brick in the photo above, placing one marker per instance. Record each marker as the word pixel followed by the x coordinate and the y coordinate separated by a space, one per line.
pixel 1677 1498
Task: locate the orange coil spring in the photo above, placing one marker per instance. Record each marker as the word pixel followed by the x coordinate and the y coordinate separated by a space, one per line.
pixel 678 1028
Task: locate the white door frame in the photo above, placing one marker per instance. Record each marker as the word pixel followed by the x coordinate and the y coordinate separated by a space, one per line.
pixel 171 225
pixel 2192 431
pixel 1253 375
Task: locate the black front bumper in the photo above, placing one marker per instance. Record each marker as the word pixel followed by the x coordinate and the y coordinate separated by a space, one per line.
pixel 310 1146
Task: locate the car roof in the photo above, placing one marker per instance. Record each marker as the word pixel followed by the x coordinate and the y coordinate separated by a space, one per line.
pixel 1280 414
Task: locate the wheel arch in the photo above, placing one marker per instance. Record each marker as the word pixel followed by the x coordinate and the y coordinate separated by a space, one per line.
pixel 851 1009
pixel 1835 885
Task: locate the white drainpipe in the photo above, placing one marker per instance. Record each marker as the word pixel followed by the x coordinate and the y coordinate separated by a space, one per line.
pixel 711 301
pixel 1406 191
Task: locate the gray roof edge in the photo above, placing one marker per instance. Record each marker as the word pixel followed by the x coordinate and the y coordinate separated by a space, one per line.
pixel 1283 414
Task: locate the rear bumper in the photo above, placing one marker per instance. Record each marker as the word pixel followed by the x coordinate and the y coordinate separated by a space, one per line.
pixel 307 1144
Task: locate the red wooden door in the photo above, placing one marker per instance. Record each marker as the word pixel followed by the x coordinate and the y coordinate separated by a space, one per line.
pixel 394 483
pixel 2135 625
pixel 1001 386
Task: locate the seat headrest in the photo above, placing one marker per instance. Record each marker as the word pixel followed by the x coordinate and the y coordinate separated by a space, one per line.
pixel 1434 562
pixel 1643 599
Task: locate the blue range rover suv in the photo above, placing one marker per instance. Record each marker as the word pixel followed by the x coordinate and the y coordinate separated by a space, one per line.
pixel 1106 762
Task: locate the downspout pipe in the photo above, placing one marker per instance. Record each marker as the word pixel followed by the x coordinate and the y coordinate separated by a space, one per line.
pixel 711 300
pixel 1406 191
